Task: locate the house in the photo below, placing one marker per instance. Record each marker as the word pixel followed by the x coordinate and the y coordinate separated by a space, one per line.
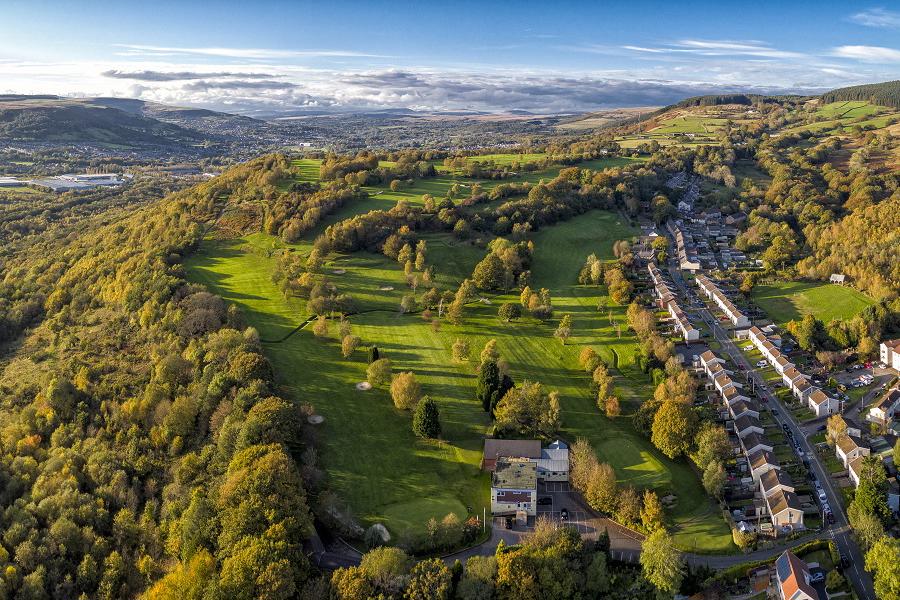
pixel 747 424
pixel 785 509
pixel 775 480
pixel 849 447
pixel 792 578
pixel 733 395
pixel 885 409
pixel 707 359
pixel 789 376
pixel 756 336
pixel 742 408
pixel 514 486
pixel 782 364
pixel 683 323
pixel 762 462
pixel 821 404
pixel 755 442
pixel 496 449
pixel 890 353
pixel 802 389
pixel 854 468
pixel 838 278
pixel 553 465
pixel 722 382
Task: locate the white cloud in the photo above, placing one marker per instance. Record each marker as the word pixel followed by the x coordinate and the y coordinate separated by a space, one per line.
pixel 875 54
pixel 877 17
pixel 241 53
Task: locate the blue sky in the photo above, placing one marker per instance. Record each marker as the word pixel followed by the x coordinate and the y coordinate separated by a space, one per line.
pixel 541 56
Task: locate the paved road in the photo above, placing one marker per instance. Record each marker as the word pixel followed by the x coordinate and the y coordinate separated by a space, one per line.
pixel 840 531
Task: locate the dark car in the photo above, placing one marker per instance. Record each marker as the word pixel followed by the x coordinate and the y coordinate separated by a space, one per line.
pixel 775 412
pixel 564 514
pixel 831 518
pixel 845 560
pixel 545 500
pixel 785 426
pixel 821 428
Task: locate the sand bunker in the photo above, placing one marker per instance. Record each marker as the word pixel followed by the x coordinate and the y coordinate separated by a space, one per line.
pixel 339 271
pixel 386 288
pixel 363 386
pixel 316 419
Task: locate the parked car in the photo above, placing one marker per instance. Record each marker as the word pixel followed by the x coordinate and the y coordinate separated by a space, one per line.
pixel 830 518
pixel 785 426
pixel 817 577
pixel 564 514
pixel 545 500
pixel 821 428
pixel 761 363
pixel 775 412
pixel 845 560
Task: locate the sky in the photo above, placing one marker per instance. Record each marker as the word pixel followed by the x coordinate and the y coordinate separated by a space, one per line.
pixel 268 57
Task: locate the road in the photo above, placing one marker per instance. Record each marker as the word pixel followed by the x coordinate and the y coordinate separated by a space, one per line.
pixel 840 532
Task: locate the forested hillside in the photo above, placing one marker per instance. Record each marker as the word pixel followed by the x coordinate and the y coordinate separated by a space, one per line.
pixel 140 431
pixel 885 94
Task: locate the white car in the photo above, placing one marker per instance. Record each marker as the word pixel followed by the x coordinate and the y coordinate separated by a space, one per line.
pixel 748 348
pixel 761 363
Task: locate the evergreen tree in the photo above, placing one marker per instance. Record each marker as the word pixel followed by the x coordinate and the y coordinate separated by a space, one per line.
pixel 488 385
pixel 426 420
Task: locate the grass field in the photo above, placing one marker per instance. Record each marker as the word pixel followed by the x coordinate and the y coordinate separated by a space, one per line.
pixel 369 452
pixel 791 300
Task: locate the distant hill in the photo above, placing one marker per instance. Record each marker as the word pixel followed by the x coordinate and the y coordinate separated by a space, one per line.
pixel 117 122
pixel 61 120
pixel 884 94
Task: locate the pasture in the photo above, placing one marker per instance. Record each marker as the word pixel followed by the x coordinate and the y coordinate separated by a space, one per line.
pixel 372 459
pixel 791 300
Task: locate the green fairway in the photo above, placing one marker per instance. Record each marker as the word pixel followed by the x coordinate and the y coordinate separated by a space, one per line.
pixel 791 300
pixel 368 450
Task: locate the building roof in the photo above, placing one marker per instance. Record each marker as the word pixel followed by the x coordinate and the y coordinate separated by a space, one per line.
pixel 891 343
pixel 515 473
pixel 855 465
pixel 849 443
pixel 741 406
pixel 731 392
pixel 772 478
pixel 708 356
pixel 494 449
pixel 792 373
pixel 754 439
pixel 783 360
pixel 793 577
pixel 818 397
pixel 888 400
pixel 722 379
pixel 554 457
pixel 781 500
pixel 850 423
pixel 803 385
pixel 745 422
pixel 763 457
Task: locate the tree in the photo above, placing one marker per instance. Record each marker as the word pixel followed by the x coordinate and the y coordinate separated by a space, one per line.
pixel 604 382
pixel 612 407
pixel 426 419
pixel 455 312
pixel 386 568
pixel 883 560
pixel 487 387
pixel 834 581
pixel 661 562
pixel 405 390
pixel 509 312
pixel 712 445
pixel 628 507
pixel 836 429
pixel 589 359
pixel 596 578
pixel 866 525
pixel 373 354
pixel 565 329
pixel 714 478
pixel 461 350
pixel 320 327
pixel 673 428
pixel 430 579
pixel 652 516
pixel 525 296
pixel 528 411
pixel 379 372
pixel 349 345
pixel 478 581
pixel 602 488
pixel 490 352
pixel 871 493
pixel 488 274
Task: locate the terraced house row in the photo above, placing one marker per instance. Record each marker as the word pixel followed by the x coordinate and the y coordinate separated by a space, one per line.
pixel 775 487
pixel 667 301
pixel 818 401
pixel 712 291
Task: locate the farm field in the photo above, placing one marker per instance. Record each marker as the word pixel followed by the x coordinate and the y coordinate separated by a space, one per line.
pixel 791 300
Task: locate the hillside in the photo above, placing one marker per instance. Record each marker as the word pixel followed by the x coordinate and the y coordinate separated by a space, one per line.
pixel 63 121
pixel 885 94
